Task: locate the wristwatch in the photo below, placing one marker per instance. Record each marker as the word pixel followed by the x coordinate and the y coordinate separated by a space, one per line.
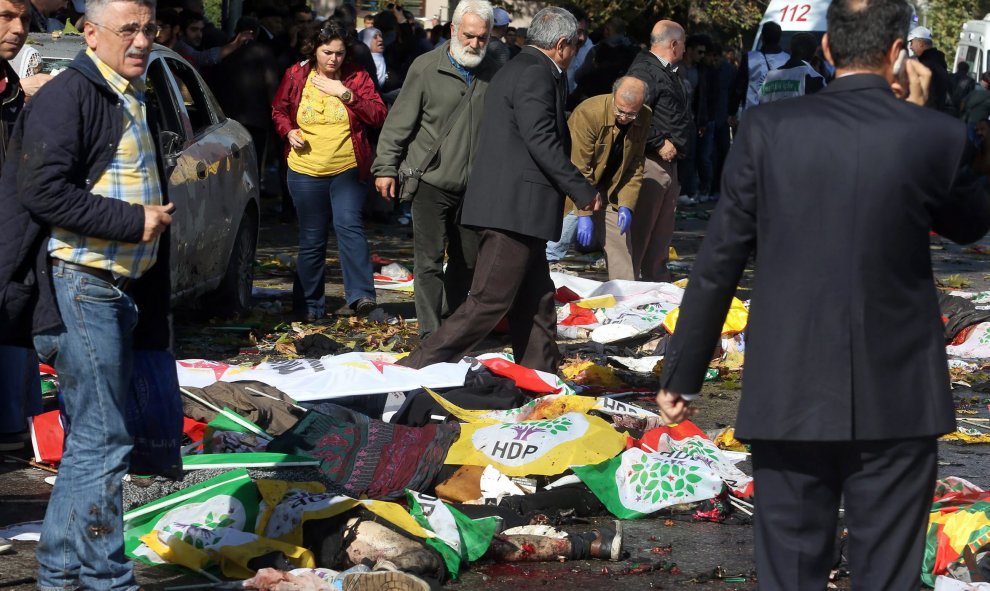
pixel 346 96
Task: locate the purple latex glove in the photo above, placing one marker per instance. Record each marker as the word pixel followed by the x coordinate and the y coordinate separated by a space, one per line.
pixel 585 230
pixel 625 220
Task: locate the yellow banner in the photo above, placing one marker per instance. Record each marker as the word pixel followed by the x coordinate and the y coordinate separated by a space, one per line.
pixel 735 319
pixel 545 407
pixel 545 447
pixel 287 505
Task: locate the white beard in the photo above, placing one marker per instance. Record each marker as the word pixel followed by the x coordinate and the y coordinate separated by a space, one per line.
pixel 464 55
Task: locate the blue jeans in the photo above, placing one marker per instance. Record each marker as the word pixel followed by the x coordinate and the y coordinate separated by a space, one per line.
pixel 316 199
pixel 558 250
pixel 82 541
pixel 20 388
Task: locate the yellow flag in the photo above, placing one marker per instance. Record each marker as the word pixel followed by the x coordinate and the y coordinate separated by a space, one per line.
pixel 234 559
pixel 231 549
pixel 546 447
pixel 544 407
pixel 735 320
pixel 286 506
pixel 173 549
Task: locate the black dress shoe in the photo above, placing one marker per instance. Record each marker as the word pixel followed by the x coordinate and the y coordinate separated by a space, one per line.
pixel 364 306
pixel 607 544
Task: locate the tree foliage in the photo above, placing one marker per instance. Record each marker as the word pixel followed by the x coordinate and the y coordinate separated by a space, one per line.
pixel 728 18
pixel 946 18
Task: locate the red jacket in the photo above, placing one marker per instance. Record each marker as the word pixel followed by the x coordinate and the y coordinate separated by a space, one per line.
pixel 365 109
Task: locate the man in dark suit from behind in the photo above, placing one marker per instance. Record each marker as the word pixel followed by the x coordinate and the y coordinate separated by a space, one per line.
pixel 846 386
pixel 514 197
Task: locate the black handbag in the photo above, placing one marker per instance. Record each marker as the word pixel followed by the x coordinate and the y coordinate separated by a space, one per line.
pixel 408 180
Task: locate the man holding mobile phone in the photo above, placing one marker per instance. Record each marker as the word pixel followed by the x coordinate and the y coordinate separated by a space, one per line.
pixel 84 185
pixel 843 291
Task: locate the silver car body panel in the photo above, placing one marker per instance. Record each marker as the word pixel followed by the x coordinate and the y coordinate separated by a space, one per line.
pixel 214 180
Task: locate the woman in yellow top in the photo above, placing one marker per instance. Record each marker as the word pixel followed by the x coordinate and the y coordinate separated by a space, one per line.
pixel 323 108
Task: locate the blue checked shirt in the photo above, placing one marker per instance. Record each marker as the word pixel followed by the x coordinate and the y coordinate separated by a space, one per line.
pixel 132 177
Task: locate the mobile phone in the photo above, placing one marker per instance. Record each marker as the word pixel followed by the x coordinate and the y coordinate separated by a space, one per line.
pixel 899 63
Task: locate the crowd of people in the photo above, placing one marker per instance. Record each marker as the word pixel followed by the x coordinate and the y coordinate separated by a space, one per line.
pixel 480 132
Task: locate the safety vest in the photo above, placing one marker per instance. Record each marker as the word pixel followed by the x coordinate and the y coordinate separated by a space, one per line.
pixel 786 83
pixel 759 65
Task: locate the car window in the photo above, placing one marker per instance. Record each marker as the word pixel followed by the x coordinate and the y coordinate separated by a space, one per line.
pixel 161 102
pixel 191 90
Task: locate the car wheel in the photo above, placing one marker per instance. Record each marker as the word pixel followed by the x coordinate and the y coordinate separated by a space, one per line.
pixel 233 298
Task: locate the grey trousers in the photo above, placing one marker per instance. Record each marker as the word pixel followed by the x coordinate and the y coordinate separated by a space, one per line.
pixel 653 222
pixel 618 247
pixel 435 233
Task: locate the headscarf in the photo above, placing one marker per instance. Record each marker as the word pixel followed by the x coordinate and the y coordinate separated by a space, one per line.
pixel 381 70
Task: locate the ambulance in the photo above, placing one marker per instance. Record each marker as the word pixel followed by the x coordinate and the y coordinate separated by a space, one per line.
pixel 974 47
pixel 802 16
pixel 794 16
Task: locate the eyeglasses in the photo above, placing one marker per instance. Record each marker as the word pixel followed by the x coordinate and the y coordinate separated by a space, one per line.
pixel 129 32
pixel 624 115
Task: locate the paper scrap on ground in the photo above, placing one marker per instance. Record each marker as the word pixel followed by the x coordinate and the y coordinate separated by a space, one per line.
pixel 29 531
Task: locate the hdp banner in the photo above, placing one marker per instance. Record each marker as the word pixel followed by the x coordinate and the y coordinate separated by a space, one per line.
pixel 537 447
pixel 959 521
pixel 286 506
pixel 332 376
pixel 636 483
pixel 459 538
pixel 546 407
pixel 246 460
pixel 195 546
pixel 196 518
pixel 686 439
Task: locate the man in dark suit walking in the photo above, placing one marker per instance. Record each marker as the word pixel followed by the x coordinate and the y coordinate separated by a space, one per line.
pixel 846 386
pixel 514 197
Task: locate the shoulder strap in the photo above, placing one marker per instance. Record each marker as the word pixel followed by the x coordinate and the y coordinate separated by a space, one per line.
pixel 447 127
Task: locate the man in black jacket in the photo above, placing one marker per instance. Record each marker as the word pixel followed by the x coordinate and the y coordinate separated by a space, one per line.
pixel 843 292
pixel 939 94
pixel 20 392
pixel 671 138
pixel 514 197
pixel 84 186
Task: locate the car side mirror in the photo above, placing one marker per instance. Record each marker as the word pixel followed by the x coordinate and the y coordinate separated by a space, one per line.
pixel 171 145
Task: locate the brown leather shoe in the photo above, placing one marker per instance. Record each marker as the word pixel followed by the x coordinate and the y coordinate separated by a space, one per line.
pixel 607 544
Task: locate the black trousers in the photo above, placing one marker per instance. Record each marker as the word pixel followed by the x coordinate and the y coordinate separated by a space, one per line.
pixel 887 487
pixel 439 293
pixel 511 278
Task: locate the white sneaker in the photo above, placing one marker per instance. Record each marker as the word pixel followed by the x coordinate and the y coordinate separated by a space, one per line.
pixel 5 545
pixel 687 200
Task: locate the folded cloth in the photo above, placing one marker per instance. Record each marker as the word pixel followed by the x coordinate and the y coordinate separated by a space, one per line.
pixel 959 313
pixel 271 409
pixel 368 457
